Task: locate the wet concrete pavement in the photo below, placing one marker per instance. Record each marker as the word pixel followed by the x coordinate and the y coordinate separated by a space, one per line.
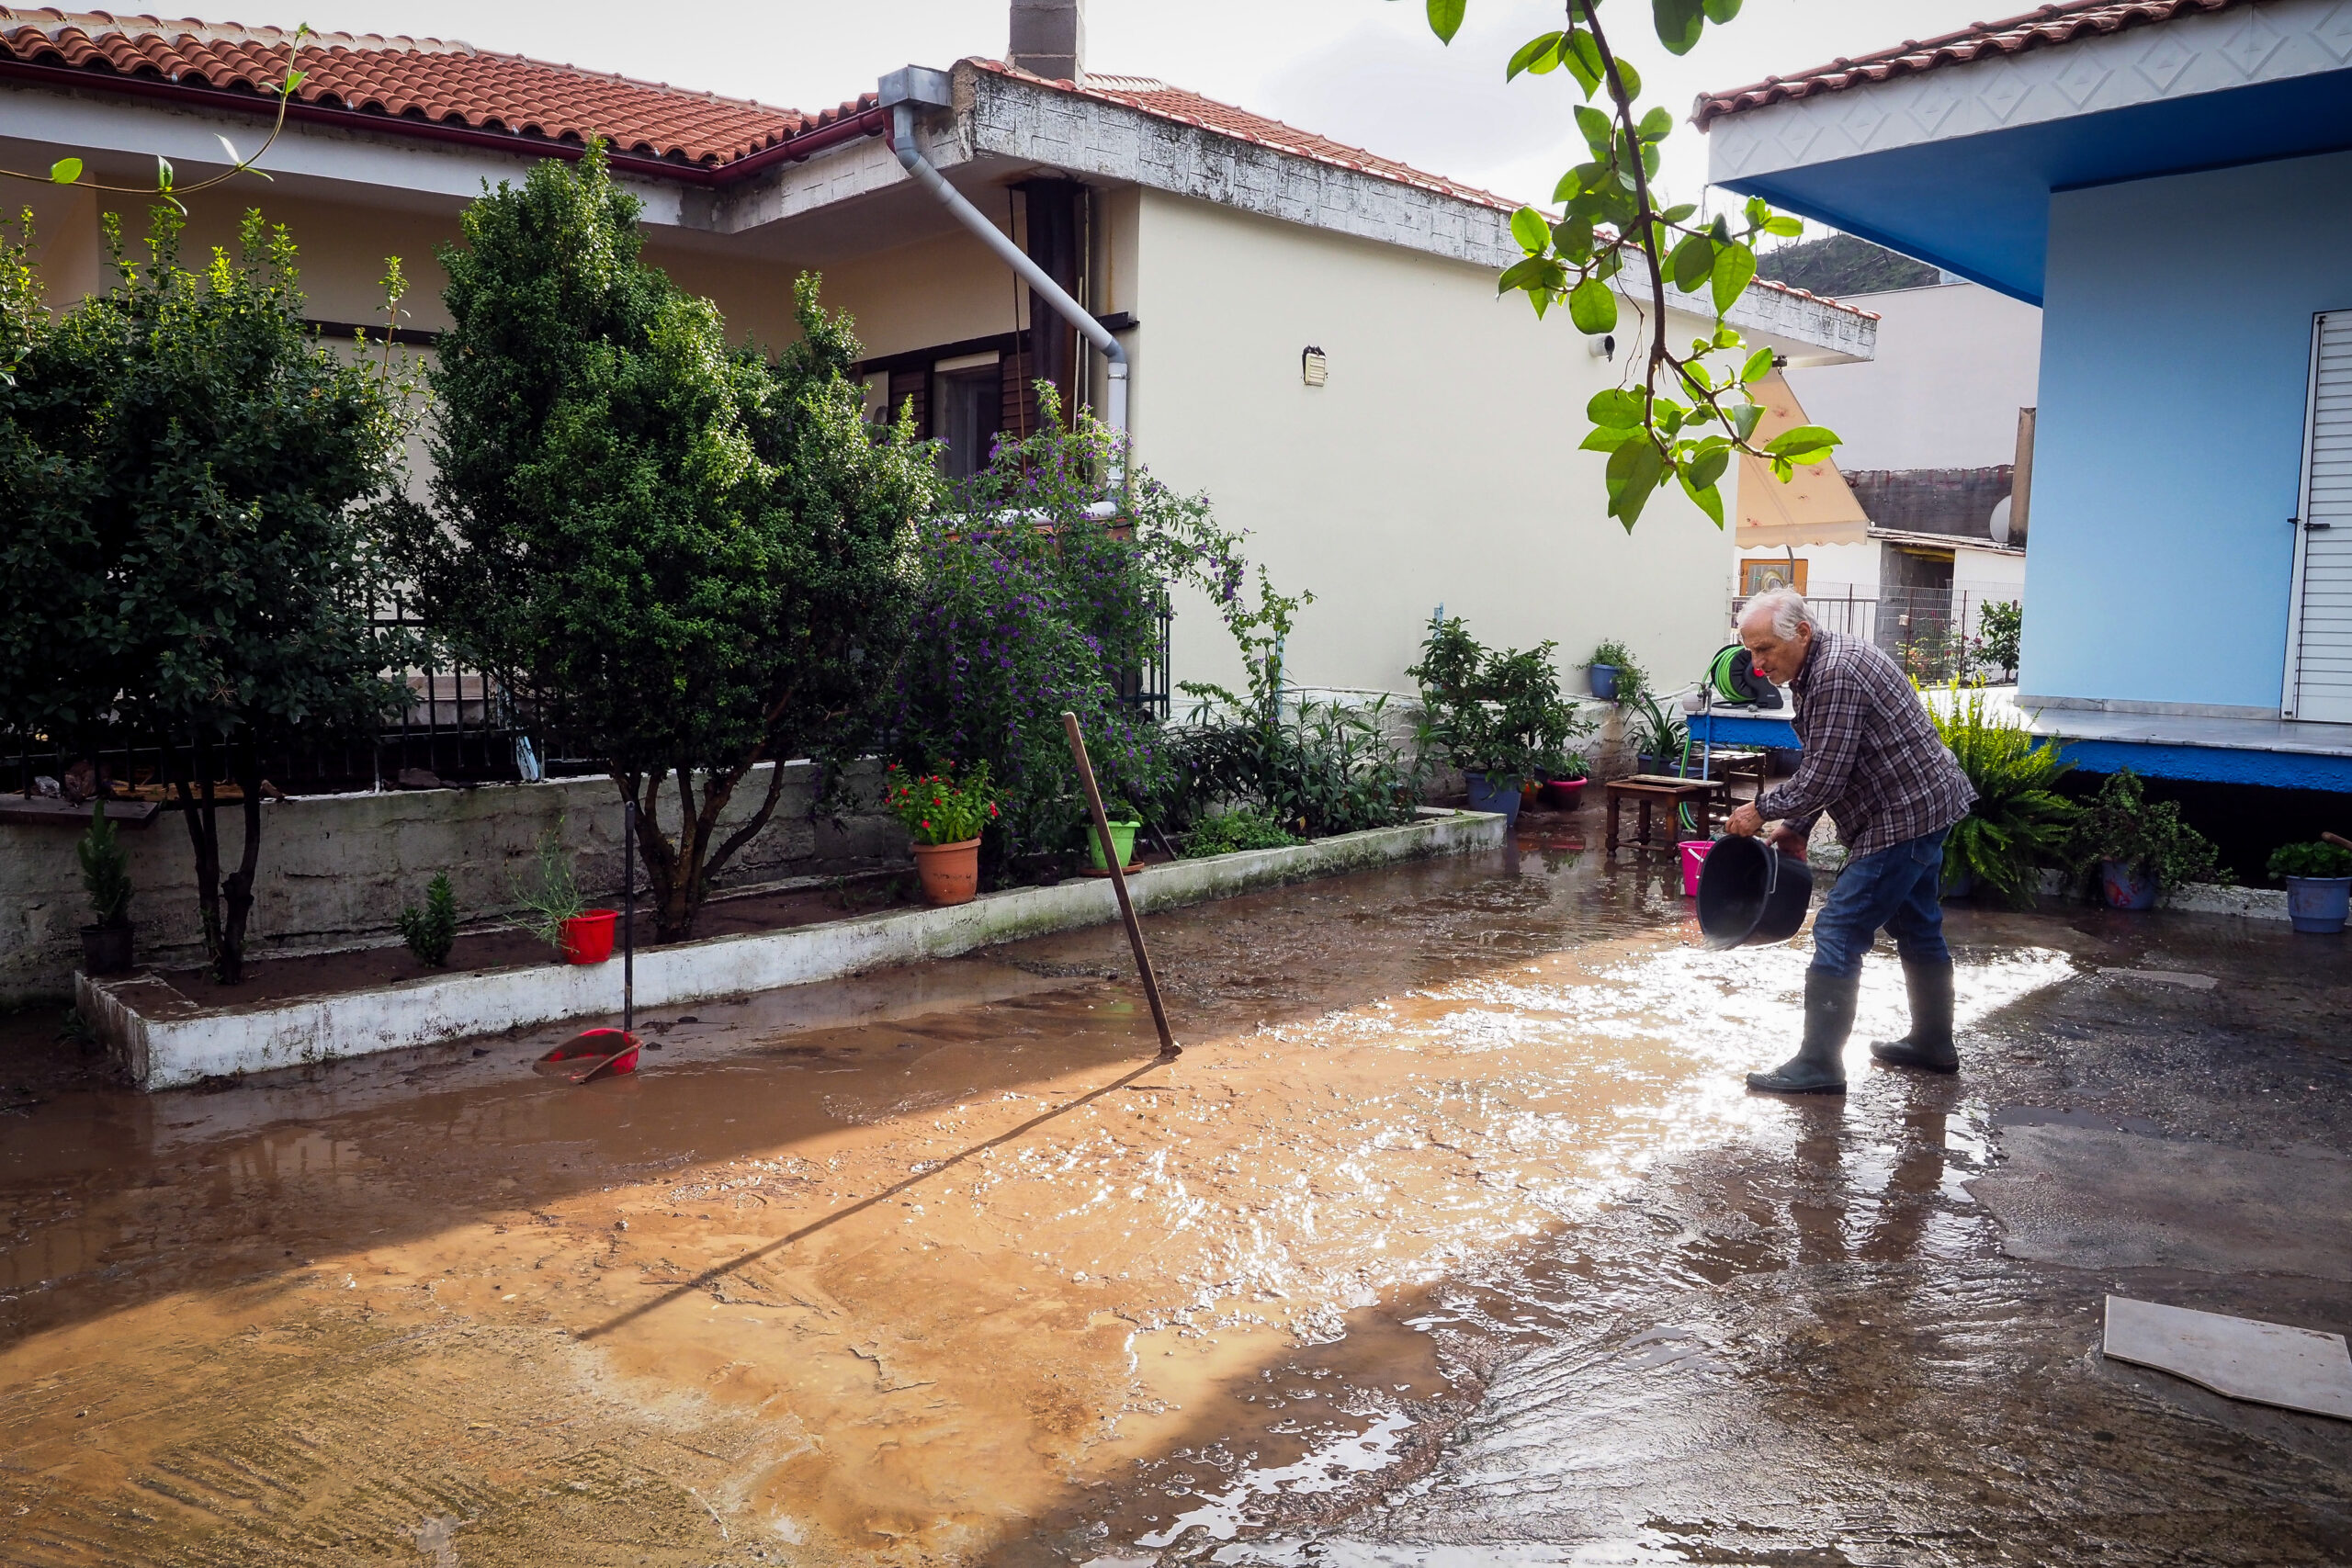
pixel 1452 1239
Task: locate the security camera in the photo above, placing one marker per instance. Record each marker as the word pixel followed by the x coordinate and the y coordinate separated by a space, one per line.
pixel 1603 346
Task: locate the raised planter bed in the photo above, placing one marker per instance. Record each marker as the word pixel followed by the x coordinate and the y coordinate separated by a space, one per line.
pixel 166 1039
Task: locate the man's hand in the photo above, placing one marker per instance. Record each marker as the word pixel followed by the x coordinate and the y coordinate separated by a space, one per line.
pixel 1789 841
pixel 1745 821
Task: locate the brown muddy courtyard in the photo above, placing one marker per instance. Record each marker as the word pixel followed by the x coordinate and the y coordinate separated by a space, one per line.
pixel 1452 1239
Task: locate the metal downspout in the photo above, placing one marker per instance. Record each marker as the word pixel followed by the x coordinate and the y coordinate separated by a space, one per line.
pixel 902 142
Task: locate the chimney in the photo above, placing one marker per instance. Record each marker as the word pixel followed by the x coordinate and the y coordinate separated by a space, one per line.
pixel 1049 38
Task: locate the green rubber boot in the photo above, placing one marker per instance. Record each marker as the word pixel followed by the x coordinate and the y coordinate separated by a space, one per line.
pixel 1819 1065
pixel 1928 1046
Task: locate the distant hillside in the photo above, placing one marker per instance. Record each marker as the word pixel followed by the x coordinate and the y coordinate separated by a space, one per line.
pixel 1839 265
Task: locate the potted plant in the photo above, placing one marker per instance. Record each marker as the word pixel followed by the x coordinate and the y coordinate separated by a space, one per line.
pixel 1499 717
pixel 1566 785
pixel 2318 884
pixel 553 909
pixel 106 877
pixel 1123 837
pixel 2136 847
pixel 1660 741
pixel 2019 823
pixel 1613 673
pixel 430 931
pixel 947 818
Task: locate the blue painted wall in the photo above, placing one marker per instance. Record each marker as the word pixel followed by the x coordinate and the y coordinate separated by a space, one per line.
pixel 2175 349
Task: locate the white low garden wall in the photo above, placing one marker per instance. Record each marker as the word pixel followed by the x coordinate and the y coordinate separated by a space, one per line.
pixel 165 1042
pixel 335 870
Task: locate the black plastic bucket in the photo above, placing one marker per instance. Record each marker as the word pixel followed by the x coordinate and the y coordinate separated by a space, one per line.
pixel 1751 893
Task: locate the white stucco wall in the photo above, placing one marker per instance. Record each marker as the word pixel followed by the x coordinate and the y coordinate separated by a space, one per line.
pixel 1955 363
pixel 1438 466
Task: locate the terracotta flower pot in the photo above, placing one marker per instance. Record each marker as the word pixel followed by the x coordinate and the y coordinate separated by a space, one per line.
pixel 950 873
pixel 588 936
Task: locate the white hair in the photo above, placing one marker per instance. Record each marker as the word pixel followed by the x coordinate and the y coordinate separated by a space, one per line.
pixel 1786 607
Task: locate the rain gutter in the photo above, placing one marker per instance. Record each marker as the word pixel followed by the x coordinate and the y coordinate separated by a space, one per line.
pixel 903 93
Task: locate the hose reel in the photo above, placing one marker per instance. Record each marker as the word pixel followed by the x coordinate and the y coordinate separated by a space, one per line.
pixel 1731 678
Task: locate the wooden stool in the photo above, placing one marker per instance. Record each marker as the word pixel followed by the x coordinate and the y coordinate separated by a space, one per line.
pixel 1646 790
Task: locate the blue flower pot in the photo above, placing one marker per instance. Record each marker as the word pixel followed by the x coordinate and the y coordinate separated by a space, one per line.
pixel 2126 886
pixel 1500 796
pixel 1604 681
pixel 2318 905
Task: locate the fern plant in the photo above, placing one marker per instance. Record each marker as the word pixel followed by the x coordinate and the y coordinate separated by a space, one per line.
pixel 551 894
pixel 2019 823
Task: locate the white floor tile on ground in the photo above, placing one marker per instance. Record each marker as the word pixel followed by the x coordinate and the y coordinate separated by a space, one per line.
pixel 2268 1363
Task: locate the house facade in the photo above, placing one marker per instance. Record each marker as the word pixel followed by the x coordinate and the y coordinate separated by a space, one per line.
pixel 1306 332
pixel 2191 493
pixel 1924 533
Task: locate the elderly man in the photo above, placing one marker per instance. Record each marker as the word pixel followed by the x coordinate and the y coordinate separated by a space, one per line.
pixel 1872 760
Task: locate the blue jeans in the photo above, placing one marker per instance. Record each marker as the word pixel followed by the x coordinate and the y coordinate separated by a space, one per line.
pixel 1900 889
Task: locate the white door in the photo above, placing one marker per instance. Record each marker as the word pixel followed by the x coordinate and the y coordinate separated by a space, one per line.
pixel 2319 636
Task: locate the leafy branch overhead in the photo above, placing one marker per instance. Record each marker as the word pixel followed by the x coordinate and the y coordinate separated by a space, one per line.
pixel 68 171
pixel 1690 413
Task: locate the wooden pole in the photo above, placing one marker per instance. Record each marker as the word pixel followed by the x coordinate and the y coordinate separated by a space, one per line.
pixel 1111 857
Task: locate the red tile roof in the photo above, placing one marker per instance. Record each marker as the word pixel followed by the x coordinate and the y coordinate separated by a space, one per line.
pixel 1163 102
pixel 2041 29
pixel 429 80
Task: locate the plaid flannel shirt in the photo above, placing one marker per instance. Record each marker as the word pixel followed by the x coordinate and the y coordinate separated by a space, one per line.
pixel 1873 759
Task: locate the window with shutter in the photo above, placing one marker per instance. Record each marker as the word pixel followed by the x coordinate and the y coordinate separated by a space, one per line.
pixel 2319 635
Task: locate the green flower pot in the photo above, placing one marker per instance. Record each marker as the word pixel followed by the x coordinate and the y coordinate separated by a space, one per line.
pixel 1122 834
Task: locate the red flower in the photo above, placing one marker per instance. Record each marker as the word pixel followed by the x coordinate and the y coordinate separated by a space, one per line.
pixel 926 826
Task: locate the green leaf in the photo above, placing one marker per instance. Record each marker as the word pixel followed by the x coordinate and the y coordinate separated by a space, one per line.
pixel 295 79
pixel 1707 466
pixel 1569 187
pixel 1657 126
pixel 1784 225
pixel 1592 306
pixel 1692 262
pixel 1678 214
pixel 1445 18
pixel 1572 237
pixel 1604 439
pixel 1534 234
pixel 1806 443
pixel 1744 419
pixel 1537 54
pixel 1581 55
pixel 65 171
pixel 1630 77
pixel 1634 470
pixel 1758 366
pixel 1537 275
pixel 1615 407
pixel 1600 131
pixel 163 175
pixel 1735 264
pixel 1710 499
pixel 1721 11
pixel 1679 23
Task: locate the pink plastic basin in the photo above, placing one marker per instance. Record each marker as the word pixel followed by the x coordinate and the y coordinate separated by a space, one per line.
pixel 1694 856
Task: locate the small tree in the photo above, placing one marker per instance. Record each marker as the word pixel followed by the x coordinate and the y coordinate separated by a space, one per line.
pixel 194 554
pixel 695 559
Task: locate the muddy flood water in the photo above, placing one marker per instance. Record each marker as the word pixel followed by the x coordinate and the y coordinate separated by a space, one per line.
pixel 1453 1238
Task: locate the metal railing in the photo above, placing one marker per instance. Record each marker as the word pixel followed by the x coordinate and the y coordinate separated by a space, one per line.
pixel 1933 633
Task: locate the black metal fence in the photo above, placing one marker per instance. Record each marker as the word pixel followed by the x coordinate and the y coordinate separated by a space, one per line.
pixel 456 726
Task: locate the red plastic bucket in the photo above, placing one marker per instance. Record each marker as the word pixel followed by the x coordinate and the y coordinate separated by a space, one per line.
pixel 1694 860
pixel 588 937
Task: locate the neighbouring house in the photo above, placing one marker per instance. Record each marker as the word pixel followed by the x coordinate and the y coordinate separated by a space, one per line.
pixel 2170 181
pixel 1307 332
pixel 1931 426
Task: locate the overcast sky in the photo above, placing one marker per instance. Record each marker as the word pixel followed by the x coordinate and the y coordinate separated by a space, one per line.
pixel 1365 71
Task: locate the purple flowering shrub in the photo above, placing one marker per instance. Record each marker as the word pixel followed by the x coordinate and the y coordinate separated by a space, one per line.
pixel 1034 600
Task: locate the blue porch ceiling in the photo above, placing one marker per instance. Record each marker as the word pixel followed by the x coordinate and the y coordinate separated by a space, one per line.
pixel 1979 206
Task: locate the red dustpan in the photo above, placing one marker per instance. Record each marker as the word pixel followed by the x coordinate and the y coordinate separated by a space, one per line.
pixel 609 1053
